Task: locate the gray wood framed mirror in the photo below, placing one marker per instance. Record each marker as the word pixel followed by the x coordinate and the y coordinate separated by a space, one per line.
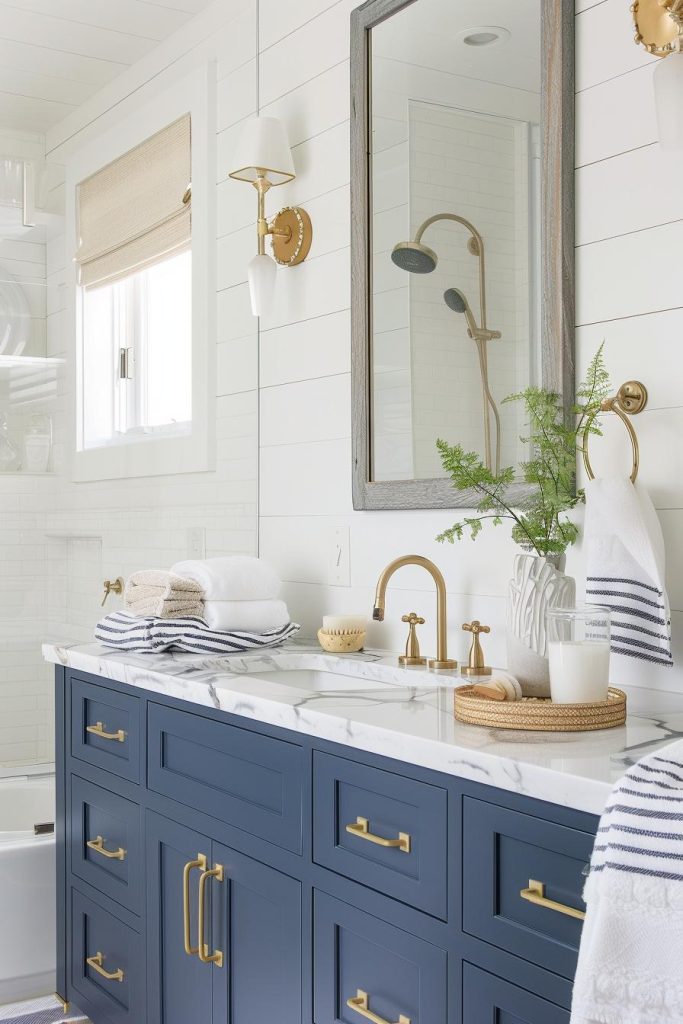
pixel 462 235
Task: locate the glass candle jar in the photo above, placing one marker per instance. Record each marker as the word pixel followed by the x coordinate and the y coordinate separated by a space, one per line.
pixel 578 651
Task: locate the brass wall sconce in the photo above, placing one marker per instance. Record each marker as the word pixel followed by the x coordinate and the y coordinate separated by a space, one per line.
pixel 659 29
pixel 264 159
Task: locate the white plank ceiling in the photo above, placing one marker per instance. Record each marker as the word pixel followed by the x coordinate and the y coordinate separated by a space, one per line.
pixel 54 54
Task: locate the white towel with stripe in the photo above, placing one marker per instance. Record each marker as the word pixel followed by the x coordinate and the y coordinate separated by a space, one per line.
pixel 630 967
pixel 126 632
pixel 625 562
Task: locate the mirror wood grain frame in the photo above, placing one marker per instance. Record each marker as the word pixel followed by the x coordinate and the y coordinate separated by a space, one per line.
pixel 557 249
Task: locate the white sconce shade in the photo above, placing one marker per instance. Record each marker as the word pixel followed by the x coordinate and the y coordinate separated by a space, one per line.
pixel 262 273
pixel 264 146
pixel 668 86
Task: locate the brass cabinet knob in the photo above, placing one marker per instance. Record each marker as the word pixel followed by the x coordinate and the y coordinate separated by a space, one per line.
pixel 476 665
pixel 412 655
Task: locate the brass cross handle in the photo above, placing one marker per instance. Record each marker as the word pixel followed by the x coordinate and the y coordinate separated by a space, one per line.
pixel 476 665
pixel 412 655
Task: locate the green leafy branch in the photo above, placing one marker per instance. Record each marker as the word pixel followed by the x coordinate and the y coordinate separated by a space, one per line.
pixel 539 521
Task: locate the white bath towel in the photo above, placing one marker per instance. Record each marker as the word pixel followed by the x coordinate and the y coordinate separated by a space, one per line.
pixel 630 967
pixel 625 568
pixel 255 616
pixel 234 578
pixel 126 632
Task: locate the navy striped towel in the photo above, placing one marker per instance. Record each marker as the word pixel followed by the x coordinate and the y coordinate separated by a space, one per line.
pixel 127 632
pixel 630 967
pixel 625 568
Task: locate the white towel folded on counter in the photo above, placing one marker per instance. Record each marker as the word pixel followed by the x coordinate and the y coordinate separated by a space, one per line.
pixel 234 578
pixel 631 955
pixel 125 632
pixel 255 616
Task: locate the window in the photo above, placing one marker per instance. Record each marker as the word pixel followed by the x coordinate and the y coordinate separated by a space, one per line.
pixel 141 296
pixel 135 282
pixel 137 355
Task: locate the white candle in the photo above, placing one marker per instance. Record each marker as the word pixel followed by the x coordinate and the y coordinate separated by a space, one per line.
pixel 579 671
pixel 348 622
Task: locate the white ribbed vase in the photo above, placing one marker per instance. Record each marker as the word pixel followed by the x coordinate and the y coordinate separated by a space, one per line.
pixel 536 586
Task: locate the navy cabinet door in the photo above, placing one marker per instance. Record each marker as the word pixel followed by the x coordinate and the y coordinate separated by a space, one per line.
pixel 256 914
pixel 490 1000
pixel 179 985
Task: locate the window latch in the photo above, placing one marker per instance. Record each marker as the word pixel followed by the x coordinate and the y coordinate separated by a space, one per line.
pixel 125 363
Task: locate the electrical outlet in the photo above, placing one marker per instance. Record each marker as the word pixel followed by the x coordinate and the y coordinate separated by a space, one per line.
pixel 339 557
pixel 196 542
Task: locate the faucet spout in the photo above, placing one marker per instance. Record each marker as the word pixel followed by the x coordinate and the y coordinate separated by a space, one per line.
pixel 442 661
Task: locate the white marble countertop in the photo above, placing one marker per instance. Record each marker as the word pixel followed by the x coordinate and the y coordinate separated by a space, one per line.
pixel 405 714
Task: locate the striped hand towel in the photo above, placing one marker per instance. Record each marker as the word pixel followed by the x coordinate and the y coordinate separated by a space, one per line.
pixel 630 967
pixel 126 632
pixel 625 568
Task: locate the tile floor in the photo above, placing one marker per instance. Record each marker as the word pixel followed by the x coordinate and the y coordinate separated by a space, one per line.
pixel 46 1010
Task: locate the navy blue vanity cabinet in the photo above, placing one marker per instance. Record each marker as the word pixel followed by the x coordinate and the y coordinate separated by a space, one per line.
pixel 216 870
pixel 241 961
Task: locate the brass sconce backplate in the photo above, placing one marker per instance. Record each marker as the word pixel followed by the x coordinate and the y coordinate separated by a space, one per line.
pixel 656 29
pixel 292 236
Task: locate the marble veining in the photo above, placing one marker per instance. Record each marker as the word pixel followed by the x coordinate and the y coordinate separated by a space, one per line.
pixel 401 713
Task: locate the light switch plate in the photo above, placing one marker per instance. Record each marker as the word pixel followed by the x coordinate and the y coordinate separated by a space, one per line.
pixel 339 557
pixel 196 542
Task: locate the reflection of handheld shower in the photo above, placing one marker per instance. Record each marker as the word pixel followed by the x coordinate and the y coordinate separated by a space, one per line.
pixel 417 258
pixel 457 301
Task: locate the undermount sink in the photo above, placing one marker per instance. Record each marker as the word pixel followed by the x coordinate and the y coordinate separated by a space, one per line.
pixel 322 673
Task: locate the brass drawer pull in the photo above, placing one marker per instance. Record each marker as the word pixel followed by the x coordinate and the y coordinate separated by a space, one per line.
pixel 361 829
pixel 98 730
pixel 360 1003
pixel 97 845
pixel 200 863
pixel 96 963
pixel 536 894
pixel 203 952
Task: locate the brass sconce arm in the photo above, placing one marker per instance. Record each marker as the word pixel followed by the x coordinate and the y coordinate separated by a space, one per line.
pixel 290 230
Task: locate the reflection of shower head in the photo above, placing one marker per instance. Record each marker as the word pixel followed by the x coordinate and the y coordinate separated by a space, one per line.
pixel 456 301
pixel 414 257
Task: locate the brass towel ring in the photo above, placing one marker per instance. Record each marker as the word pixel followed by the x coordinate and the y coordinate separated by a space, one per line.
pixel 630 399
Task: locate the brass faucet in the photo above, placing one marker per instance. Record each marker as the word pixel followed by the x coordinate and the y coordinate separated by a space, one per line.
pixel 442 661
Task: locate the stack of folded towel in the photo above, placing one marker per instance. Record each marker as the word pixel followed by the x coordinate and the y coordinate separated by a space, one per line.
pixel 162 595
pixel 239 592
pixel 219 604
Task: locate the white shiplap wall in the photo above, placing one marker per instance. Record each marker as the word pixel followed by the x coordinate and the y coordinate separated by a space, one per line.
pixel 629 239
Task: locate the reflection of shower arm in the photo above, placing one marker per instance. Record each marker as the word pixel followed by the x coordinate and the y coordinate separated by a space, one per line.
pixel 479 245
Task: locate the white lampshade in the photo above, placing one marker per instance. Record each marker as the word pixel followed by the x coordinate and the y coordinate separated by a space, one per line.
pixel 262 275
pixel 668 85
pixel 264 146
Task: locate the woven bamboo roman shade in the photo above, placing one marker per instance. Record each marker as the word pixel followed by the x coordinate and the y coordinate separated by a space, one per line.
pixel 135 212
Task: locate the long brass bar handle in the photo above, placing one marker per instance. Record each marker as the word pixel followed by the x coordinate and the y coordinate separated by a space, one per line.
pixel 96 963
pixel 536 894
pixel 98 730
pixel 204 955
pixel 361 1004
pixel 361 829
pixel 200 863
pixel 98 846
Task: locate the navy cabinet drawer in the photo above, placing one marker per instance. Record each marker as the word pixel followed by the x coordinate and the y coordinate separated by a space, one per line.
pixel 504 851
pixel 245 779
pixel 105 842
pixel 360 959
pixel 105 729
pixel 487 998
pixel 113 948
pixel 378 804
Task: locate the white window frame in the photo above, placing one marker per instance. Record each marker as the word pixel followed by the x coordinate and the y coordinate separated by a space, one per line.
pixel 155 454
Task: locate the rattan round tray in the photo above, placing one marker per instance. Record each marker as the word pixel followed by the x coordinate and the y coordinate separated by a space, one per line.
pixel 539 714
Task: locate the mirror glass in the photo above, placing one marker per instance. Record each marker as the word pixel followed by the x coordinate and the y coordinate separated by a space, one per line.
pixel 455 172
